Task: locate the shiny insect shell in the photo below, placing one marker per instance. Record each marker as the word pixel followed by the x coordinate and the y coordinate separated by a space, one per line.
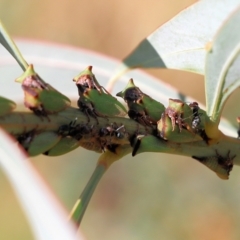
pixel 113 130
pixel 199 116
pixel 131 93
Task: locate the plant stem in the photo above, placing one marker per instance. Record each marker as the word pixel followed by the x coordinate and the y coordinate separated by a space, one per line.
pixel 17 123
pixel 80 206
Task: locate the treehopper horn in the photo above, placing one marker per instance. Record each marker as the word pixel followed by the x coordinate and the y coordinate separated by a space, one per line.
pixel 93 100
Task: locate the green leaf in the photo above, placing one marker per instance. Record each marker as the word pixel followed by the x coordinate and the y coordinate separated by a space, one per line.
pixel 222 66
pixel 180 43
pixel 9 44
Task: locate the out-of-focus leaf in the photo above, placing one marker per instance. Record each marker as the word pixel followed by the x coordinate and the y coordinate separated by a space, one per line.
pixel 222 66
pixel 180 43
pixel 9 44
pixel 46 217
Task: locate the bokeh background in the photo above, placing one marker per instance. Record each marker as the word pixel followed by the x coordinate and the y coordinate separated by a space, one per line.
pixel 153 196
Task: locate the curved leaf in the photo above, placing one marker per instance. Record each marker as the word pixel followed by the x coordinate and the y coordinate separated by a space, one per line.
pixel 180 43
pixel 46 217
pixel 12 48
pixel 222 66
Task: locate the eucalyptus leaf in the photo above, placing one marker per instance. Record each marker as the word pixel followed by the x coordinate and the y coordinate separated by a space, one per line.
pixel 12 48
pixel 180 43
pixel 222 66
pixel 45 215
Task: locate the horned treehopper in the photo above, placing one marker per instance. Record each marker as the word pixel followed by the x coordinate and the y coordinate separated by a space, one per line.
pixel 39 96
pixel 142 108
pixel 93 100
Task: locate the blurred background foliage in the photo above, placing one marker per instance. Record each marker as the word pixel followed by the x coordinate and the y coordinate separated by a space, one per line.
pixel 151 196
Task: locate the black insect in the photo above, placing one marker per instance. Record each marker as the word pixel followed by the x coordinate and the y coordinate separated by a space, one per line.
pixel 196 120
pixel 112 130
pixel 74 130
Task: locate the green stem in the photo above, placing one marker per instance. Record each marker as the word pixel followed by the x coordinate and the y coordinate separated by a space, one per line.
pixel 9 44
pixel 81 204
pixel 17 123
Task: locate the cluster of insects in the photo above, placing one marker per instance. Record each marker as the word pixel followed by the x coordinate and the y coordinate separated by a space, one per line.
pixel 179 122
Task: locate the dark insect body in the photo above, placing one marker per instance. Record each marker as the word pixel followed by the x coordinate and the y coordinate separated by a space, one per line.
pixel 85 134
pixel 112 130
pixel 87 107
pixel 196 120
pixel 132 94
pixel 106 134
pixel 74 130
